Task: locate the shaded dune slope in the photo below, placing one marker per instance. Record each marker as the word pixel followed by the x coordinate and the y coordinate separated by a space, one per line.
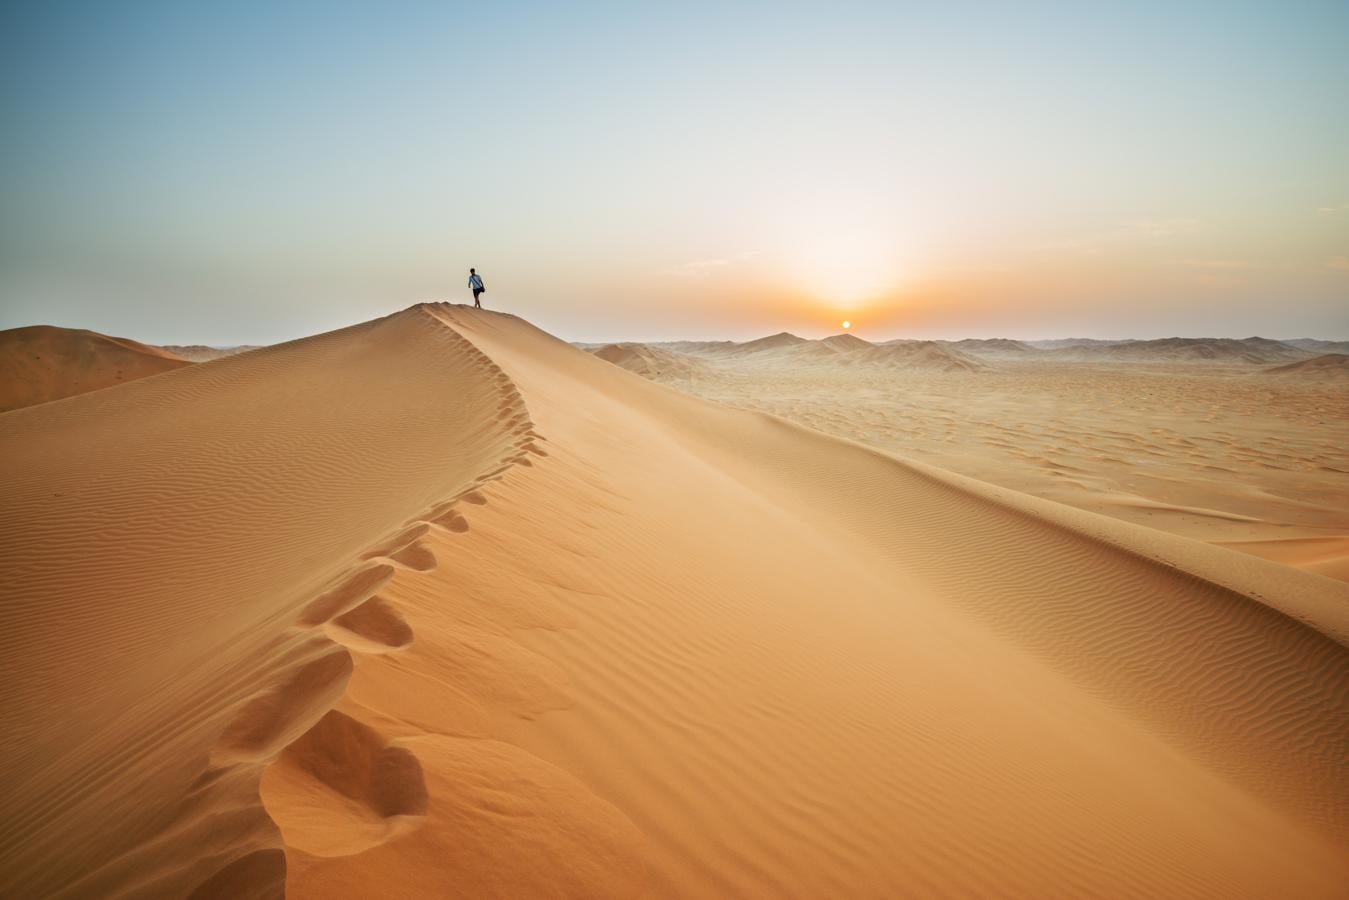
pixel 674 649
pixel 41 363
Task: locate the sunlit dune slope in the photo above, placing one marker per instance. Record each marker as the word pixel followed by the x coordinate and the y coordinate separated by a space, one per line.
pixel 42 362
pixel 474 613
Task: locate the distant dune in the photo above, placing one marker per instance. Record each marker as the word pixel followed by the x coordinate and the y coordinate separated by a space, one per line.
pixel 203 353
pixel 974 354
pixel 845 350
pixel 931 356
pixel 1245 351
pixel 846 342
pixel 1252 351
pixel 694 346
pixel 439 605
pixel 651 362
pixel 781 339
pixel 1061 343
pixel 1320 346
pixel 40 363
pixel 993 347
pixel 1331 366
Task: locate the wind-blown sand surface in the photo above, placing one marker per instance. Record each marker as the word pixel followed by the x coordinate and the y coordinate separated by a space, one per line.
pixel 1245 455
pixel 441 606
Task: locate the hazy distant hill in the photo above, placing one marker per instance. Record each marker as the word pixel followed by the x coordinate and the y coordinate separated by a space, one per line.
pixel 1331 366
pixel 203 353
pixel 1061 343
pixel 846 342
pixel 779 341
pixel 41 363
pixel 993 347
pixel 652 362
pixel 1253 351
pixel 967 355
pixel 1320 346
pixel 935 356
pixel 693 346
pixel 785 349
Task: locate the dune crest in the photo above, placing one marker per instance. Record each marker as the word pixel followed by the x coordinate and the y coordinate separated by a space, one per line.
pixel 440 605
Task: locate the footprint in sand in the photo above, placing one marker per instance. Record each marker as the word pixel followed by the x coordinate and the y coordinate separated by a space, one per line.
pixel 352 591
pixel 373 627
pixel 341 789
pixel 416 556
pixel 272 720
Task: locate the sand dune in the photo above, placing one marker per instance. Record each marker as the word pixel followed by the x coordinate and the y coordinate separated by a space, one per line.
pixel 773 342
pixel 993 347
pixel 651 362
pixel 1252 351
pixel 786 349
pixel 203 353
pixel 164 575
pixel 1327 556
pixel 931 356
pixel 40 363
pixel 1333 366
pixel 441 606
pixel 1319 346
pixel 846 342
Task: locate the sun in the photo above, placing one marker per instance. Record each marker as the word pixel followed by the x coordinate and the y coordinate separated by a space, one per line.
pixel 847 324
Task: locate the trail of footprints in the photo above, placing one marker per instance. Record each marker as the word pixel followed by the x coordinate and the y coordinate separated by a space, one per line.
pixel 297 719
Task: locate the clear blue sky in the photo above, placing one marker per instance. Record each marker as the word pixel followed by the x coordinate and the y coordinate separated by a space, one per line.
pixel 248 172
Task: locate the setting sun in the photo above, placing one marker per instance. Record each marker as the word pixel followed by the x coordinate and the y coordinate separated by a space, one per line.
pixel 847 324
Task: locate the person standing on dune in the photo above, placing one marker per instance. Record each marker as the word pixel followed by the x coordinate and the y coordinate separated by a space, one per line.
pixel 475 283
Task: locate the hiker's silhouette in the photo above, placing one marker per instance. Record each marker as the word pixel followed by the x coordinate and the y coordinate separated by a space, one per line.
pixel 475 284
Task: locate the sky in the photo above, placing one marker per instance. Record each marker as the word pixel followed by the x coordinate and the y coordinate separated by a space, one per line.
pixel 255 172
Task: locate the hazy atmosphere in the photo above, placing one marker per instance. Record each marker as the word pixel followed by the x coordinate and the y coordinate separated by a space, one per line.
pixel 247 173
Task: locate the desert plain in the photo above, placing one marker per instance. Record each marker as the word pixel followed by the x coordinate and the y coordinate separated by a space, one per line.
pixel 439 605
pixel 1243 443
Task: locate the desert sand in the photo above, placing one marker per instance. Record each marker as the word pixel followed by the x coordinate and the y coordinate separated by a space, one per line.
pixel 1218 440
pixel 439 605
pixel 203 353
pixel 41 363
